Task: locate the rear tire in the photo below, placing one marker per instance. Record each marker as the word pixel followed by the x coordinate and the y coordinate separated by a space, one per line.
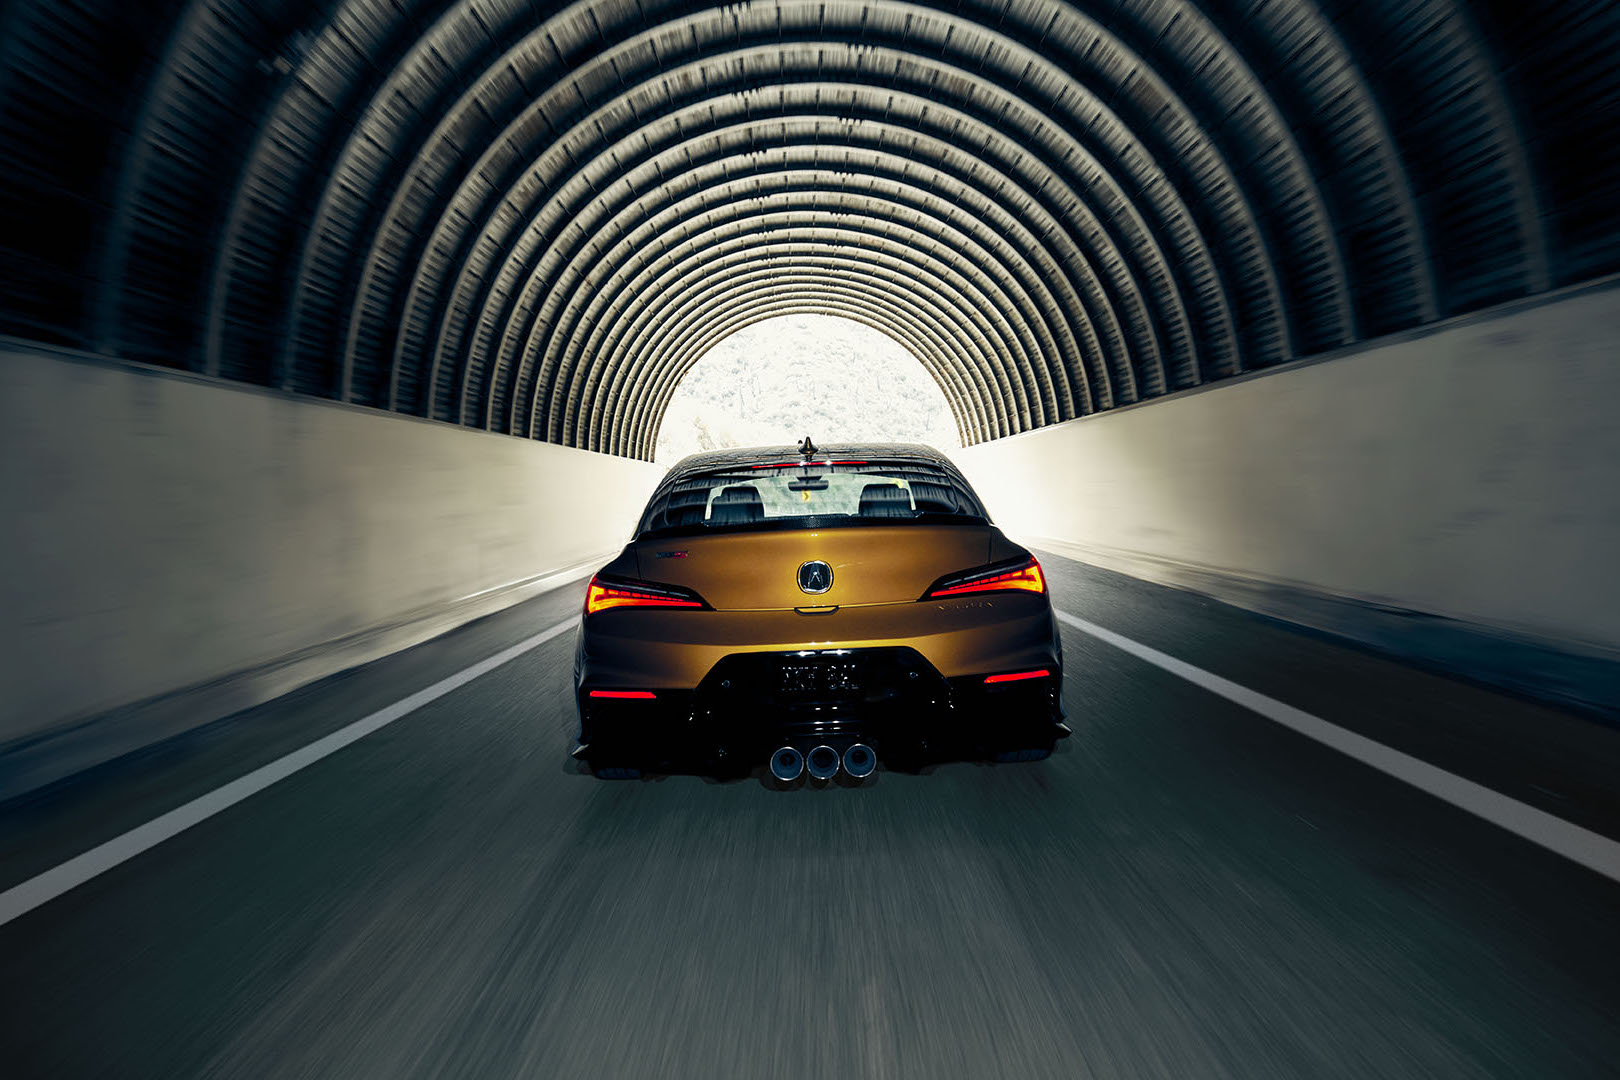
pixel 1028 753
pixel 615 772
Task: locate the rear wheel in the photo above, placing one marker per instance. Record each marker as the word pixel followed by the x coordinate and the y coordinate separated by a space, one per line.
pixel 1028 745
pixel 606 767
pixel 615 772
pixel 1031 753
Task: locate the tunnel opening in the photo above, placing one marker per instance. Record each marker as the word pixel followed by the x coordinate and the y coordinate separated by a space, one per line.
pixel 780 378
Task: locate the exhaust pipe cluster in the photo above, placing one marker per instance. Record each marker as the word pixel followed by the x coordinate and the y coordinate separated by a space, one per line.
pixel 823 762
pixel 859 761
pixel 786 764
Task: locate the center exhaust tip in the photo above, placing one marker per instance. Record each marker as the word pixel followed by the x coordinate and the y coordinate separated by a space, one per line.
pixel 860 760
pixel 786 764
pixel 822 763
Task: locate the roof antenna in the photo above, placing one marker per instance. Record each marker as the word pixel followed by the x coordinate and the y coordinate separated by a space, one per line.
pixel 807 448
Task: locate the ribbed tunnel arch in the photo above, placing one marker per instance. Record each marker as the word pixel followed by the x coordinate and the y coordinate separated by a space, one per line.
pixel 533 218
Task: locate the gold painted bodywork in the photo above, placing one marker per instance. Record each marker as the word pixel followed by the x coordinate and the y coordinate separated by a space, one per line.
pixel 751 581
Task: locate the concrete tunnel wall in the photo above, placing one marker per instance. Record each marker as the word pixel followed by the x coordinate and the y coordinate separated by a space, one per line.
pixel 1465 472
pixel 192 533
pixel 531 219
pixel 192 546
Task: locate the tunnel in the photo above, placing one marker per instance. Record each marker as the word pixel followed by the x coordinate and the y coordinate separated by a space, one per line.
pixel 338 336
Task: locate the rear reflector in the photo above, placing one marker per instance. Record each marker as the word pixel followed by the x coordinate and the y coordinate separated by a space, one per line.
pixel 1016 676
pixel 638 695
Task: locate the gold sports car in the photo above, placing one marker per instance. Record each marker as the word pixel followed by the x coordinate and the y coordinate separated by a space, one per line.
pixel 813 611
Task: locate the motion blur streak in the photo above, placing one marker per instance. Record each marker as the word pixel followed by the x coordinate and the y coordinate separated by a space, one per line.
pixel 1581 845
pixel 1571 841
pixel 1182 890
pixel 23 898
pixel 326 325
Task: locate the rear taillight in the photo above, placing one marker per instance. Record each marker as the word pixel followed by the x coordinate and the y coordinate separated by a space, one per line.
pixel 610 592
pixel 1015 575
pixel 1017 676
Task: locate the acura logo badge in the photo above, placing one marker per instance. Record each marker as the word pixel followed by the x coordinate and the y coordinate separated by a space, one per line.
pixel 815 577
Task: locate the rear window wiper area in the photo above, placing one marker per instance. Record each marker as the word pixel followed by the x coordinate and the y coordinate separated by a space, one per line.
pixel 811 494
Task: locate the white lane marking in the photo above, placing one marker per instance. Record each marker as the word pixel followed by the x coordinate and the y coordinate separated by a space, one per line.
pixel 1592 850
pixel 23 898
pixel 547 581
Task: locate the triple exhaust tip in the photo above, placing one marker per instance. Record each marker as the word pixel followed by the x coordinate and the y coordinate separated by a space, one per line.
pixel 823 762
pixel 786 764
pixel 859 761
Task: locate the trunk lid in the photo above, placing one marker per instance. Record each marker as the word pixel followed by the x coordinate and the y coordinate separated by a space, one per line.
pixel 759 571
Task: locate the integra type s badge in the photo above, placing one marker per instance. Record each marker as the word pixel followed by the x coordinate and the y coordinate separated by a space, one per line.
pixel 813 611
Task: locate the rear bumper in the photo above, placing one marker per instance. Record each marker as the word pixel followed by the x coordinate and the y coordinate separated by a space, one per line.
pixel 675 650
pixel 903 706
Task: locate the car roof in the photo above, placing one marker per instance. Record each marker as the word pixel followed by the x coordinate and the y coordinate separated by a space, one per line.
pixel 742 457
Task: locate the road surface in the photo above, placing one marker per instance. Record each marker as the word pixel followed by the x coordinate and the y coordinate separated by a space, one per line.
pixel 1187 889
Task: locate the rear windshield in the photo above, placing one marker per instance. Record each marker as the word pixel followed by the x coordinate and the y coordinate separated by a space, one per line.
pixel 814 496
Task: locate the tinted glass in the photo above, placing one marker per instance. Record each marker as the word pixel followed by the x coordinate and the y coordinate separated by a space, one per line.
pixel 813 496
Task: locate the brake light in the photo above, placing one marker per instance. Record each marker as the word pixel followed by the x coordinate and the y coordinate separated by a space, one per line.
pixel 803 464
pixel 1017 676
pixel 606 592
pixel 638 695
pixel 1017 575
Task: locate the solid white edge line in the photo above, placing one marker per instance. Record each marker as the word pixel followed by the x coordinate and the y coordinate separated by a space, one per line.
pixel 544 582
pixel 1592 850
pixel 43 888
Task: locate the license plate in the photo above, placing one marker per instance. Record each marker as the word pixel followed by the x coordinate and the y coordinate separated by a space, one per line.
pixel 819 678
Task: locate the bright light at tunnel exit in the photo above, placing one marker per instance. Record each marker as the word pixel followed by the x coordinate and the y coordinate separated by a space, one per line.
pixel 780 379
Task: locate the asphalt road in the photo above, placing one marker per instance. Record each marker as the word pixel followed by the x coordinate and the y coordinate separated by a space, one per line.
pixel 1185 890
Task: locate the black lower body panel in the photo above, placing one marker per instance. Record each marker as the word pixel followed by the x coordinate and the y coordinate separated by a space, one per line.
pixel 890 698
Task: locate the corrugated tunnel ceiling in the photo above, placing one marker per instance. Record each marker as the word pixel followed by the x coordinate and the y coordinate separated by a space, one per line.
pixel 532 218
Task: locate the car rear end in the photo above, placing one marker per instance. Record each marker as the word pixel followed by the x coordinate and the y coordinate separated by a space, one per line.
pixel 858 603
